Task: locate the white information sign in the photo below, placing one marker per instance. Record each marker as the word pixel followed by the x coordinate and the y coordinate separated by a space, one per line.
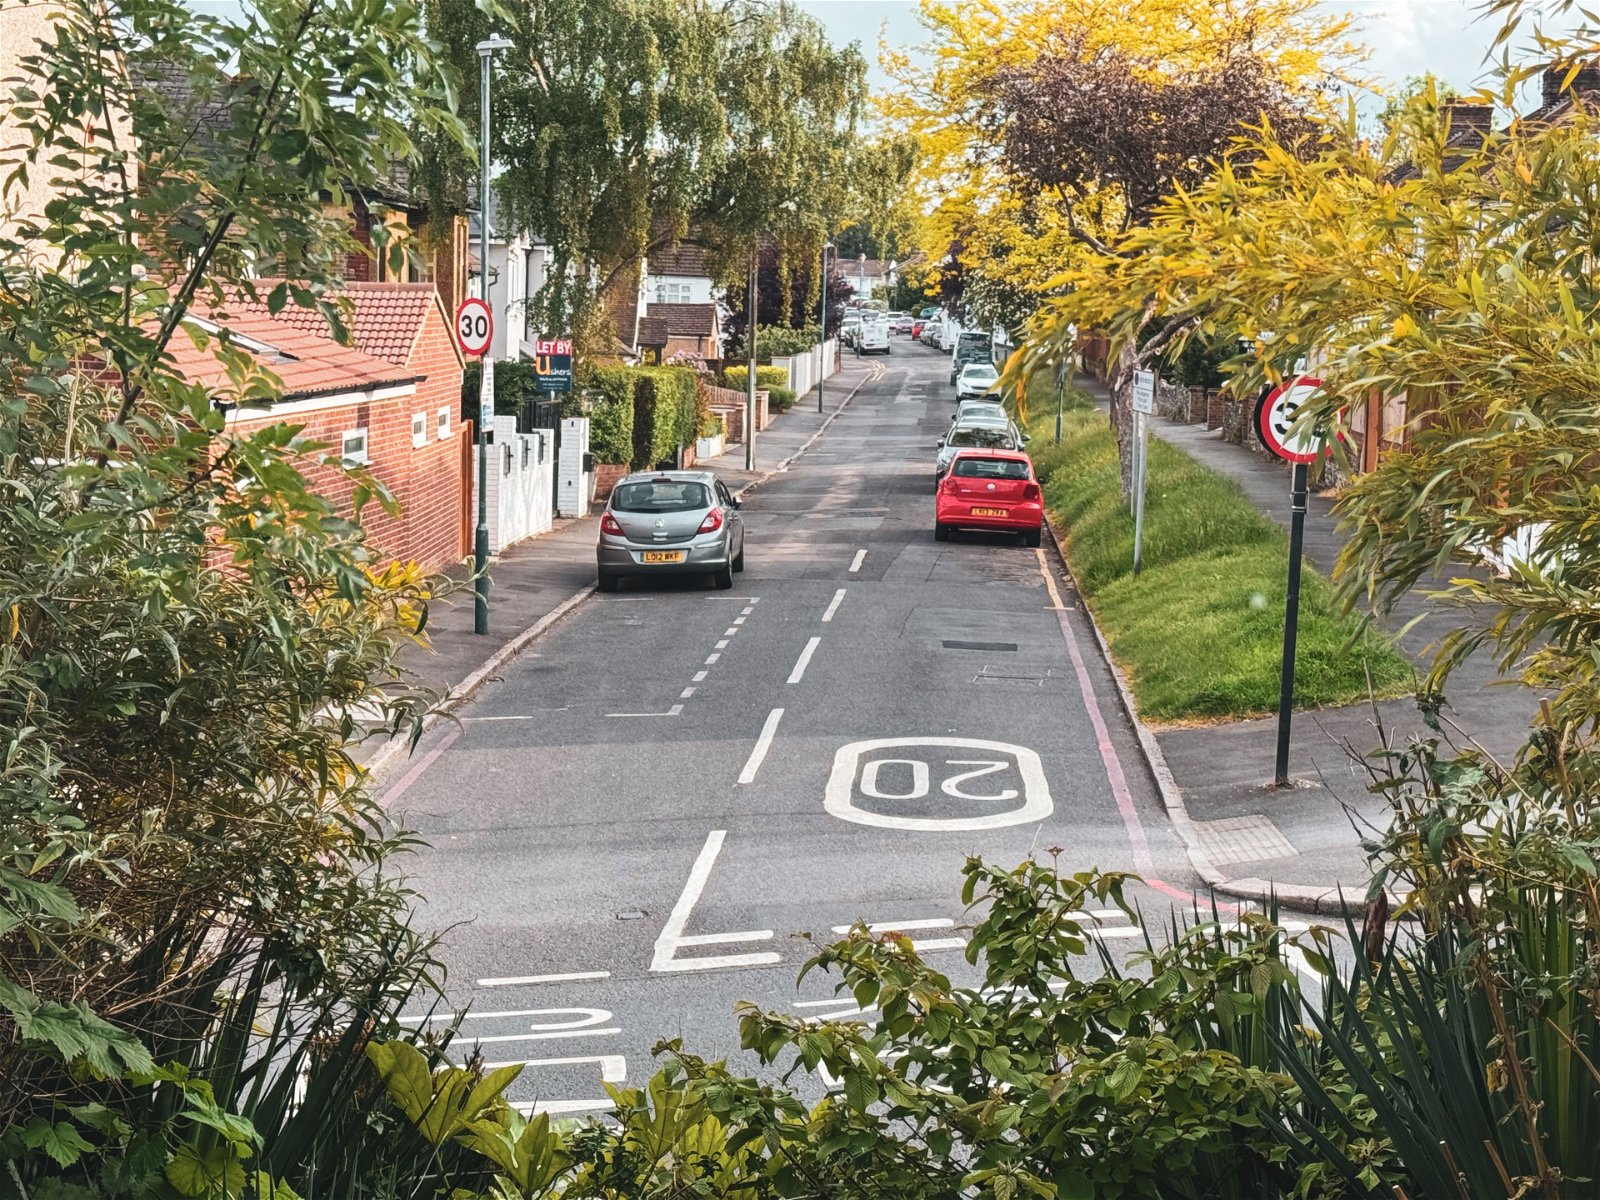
pixel 1144 392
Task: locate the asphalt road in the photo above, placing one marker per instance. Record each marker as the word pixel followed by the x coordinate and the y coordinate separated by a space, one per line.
pixel 629 831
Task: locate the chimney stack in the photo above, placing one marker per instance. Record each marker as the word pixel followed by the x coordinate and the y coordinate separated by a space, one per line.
pixel 1586 80
pixel 1468 116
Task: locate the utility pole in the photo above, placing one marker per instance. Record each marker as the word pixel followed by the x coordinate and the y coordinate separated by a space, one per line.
pixel 480 542
pixel 822 327
pixel 750 384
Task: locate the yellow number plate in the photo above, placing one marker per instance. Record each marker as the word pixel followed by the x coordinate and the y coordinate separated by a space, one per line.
pixel 663 556
pixel 988 512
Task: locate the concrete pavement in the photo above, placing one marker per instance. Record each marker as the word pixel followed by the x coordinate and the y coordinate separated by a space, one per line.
pixel 652 813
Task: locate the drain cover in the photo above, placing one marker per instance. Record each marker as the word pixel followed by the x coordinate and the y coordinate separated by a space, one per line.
pixel 949 645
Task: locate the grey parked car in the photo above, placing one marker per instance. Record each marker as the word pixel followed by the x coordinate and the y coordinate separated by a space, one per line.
pixel 670 523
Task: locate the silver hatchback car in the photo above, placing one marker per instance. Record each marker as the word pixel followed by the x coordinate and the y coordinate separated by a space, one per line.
pixel 670 523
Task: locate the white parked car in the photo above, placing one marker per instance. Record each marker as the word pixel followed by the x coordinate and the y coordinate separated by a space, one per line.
pixel 976 379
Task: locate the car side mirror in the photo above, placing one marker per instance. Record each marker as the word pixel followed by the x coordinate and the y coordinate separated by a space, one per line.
pixel 736 502
pixel 1026 438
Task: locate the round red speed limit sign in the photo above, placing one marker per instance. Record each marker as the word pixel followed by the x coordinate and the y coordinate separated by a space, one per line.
pixel 1275 415
pixel 474 326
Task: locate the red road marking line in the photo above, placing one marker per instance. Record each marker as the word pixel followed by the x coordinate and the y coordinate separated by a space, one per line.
pixel 423 763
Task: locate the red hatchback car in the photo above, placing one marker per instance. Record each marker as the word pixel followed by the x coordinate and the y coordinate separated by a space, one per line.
pixel 916 328
pixel 990 489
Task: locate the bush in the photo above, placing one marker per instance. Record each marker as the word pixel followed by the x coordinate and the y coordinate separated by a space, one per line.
pixel 608 399
pixel 767 378
pixel 663 413
pixel 514 382
pixel 781 399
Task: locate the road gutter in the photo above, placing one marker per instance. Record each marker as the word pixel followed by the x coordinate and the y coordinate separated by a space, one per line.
pixel 1304 898
pixel 491 666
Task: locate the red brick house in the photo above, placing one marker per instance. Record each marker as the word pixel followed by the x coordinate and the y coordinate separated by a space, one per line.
pixel 391 401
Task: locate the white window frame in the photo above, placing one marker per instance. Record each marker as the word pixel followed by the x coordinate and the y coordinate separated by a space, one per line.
pixel 443 426
pixel 419 429
pixel 365 456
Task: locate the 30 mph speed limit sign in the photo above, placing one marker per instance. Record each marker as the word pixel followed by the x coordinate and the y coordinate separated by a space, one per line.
pixel 1275 416
pixel 474 326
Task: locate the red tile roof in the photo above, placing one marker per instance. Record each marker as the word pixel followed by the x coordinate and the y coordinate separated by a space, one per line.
pixel 686 320
pixel 306 364
pixel 385 319
pixel 685 258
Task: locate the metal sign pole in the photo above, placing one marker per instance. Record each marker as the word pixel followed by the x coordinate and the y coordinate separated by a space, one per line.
pixel 750 384
pixel 1291 620
pixel 1140 450
pixel 1061 396
pixel 480 541
pixel 822 327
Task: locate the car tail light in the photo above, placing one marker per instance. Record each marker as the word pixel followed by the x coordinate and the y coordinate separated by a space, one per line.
pixel 947 485
pixel 713 521
pixel 1031 492
pixel 608 524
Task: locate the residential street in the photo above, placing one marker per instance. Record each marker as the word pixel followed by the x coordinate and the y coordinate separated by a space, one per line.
pixel 630 830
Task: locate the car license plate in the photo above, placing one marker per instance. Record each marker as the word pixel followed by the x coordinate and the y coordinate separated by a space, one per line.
pixel 988 512
pixel 663 556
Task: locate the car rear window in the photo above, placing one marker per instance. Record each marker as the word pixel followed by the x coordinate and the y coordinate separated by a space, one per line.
pixel 979 437
pixel 991 468
pixel 660 495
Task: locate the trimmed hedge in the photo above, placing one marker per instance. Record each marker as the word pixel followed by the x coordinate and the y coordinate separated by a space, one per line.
pixel 513 383
pixel 663 413
pixel 781 399
pixel 610 393
pixel 767 378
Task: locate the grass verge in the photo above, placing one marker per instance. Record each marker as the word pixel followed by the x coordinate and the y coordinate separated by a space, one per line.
pixel 1199 633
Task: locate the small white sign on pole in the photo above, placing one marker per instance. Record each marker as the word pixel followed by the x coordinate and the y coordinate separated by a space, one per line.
pixel 1144 392
pixel 486 396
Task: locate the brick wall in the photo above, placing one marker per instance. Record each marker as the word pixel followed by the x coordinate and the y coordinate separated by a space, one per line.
pixel 425 480
pixel 606 477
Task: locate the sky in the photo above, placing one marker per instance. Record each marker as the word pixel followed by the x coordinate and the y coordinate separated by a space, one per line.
pixel 1405 37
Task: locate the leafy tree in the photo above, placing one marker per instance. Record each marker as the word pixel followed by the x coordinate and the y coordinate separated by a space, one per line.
pixel 193 642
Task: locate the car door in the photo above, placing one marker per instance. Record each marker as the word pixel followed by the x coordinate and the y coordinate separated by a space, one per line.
pixel 735 518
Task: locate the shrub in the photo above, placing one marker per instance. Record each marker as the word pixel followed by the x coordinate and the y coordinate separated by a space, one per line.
pixel 767 378
pixel 608 399
pixel 514 382
pixel 781 398
pixel 663 413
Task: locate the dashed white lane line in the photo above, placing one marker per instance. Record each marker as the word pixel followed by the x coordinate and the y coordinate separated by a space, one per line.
pixel 723 644
pixel 885 926
pixel 529 1108
pixel 686 693
pixel 833 607
pixel 763 744
pixel 730 631
pixel 546 1036
pixel 796 675
pixel 699 676
pixel 563 977
pixel 855 565
pixel 711 660
pixel 738 620
pixel 613 1067
pixel 667 945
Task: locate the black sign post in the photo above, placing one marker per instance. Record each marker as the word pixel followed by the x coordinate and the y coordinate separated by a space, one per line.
pixel 1275 417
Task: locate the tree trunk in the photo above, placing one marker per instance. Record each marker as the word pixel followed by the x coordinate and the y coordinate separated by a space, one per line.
pixel 1121 388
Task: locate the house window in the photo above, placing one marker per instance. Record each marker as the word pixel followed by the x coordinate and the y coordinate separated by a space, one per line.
pixel 444 423
pixel 672 293
pixel 353 448
pixel 419 429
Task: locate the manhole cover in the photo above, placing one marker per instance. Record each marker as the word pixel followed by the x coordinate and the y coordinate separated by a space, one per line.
pixel 999 646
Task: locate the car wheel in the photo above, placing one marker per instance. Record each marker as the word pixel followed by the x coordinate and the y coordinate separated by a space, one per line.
pixel 738 560
pixel 722 579
pixel 1032 537
pixel 941 532
pixel 607 581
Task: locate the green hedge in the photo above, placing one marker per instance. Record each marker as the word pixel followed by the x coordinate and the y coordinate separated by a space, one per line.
pixel 663 413
pixel 781 399
pixel 609 393
pixel 767 378
pixel 513 383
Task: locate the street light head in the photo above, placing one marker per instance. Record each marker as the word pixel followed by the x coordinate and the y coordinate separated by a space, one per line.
pixel 492 43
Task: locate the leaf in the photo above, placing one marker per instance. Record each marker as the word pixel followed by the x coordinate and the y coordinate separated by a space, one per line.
pixel 1123 1079
pixel 59 1139
pixel 860 1091
pixel 215 1172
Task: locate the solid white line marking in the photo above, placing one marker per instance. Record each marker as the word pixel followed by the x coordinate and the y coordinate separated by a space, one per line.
pixel 672 932
pixel 671 712
pixel 713 939
pixel 686 693
pixel 763 744
pixel 529 1108
pixel 613 1067
pixel 885 926
pixel 836 1002
pixel 860 557
pixel 700 676
pixel 838 599
pixel 540 1037
pixel 563 977
pixel 939 944
pixel 712 659
pixel 805 659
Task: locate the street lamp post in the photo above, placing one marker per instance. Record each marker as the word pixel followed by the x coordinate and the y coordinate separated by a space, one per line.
pixel 822 327
pixel 750 383
pixel 480 542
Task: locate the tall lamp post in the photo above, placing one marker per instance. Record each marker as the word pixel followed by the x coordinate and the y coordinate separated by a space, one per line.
pixel 480 541
pixel 750 382
pixel 822 327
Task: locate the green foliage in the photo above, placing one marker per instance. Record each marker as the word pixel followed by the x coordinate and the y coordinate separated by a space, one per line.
pixel 607 394
pixel 664 413
pixel 1213 578
pixel 777 341
pixel 767 378
pixel 781 399
pixel 514 383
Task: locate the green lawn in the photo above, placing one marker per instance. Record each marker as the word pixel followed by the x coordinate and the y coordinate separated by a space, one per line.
pixel 1200 632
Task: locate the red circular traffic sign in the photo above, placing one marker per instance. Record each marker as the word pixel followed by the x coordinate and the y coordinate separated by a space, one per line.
pixel 1275 415
pixel 474 326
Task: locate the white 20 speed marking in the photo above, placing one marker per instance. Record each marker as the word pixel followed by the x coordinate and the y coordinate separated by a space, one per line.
pixel 858 771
